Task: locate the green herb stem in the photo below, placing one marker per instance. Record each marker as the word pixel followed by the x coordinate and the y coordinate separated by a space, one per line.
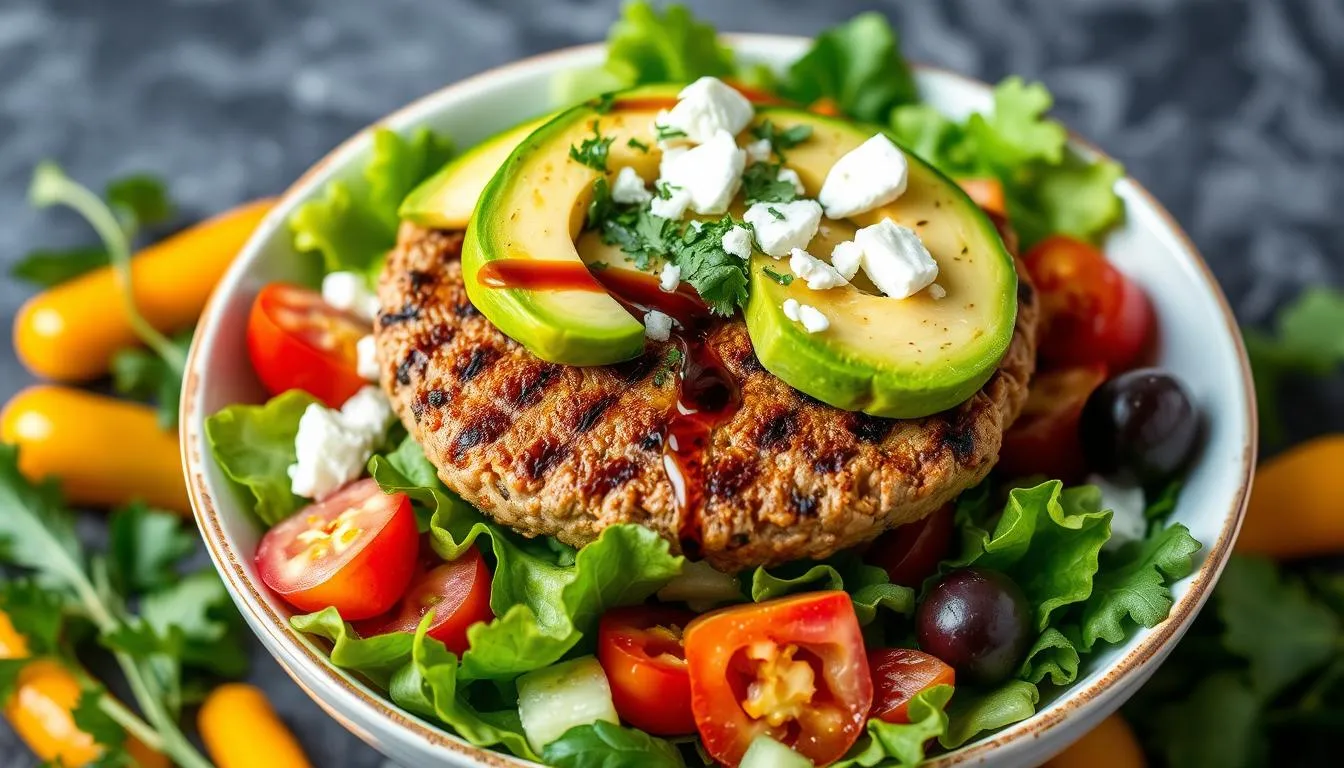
pixel 52 187
pixel 131 723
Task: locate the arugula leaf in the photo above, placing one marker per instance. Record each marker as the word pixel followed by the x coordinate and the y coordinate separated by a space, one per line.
pixel 606 745
pixel 47 268
pixel 144 375
pixel 431 686
pixel 903 743
pixel 1053 655
pixel 1275 624
pixel 1304 341
pixel 140 201
pixel 858 65
pixel 144 548
pixel 353 222
pixel 1135 585
pixel 761 184
pixel 868 586
pixel 645 46
pixel 970 715
pixel 254 445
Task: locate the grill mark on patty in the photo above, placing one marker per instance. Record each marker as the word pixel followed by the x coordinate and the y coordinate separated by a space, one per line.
pixel 481 357
pixel 1026 294
pixel 634 371
pixel 408 312
pixel 418 280
pixel 590 416
pixel 464 309
pixel 525 388
pixel 412 365
pixel 778 429
pixel 871 429
pixel 436 398
pixel 729 476
pixel 542 457
pixel 832 461
pixel 959 437
pixel 484 427
pixel 803 504
pixel 611 475
pixel 652 441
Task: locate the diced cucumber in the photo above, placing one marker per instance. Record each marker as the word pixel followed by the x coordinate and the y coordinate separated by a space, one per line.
pixel 560 697
pixel 765 752
pixel 700 584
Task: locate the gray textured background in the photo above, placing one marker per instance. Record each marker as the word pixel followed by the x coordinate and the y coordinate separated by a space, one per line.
pixel 1230 111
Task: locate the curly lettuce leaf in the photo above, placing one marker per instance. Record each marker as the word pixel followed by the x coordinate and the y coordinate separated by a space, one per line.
pixel 353 222
pixel 1052 656
pixel 903 743
pixel 868 586
pixel 543 608
pixel 1135 586
pixel 971 715
pixel 376 658
pixel 857 65
pixel 254 445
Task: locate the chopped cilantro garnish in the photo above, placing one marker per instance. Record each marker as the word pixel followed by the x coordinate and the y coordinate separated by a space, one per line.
pixel 603 104
pixel 778 277
pixel 670 367
pixel 593 151
pixel 782 140
pixel 664 190
pixel 666 132
pixel 634 143
pixel 773 211
pixel 761 184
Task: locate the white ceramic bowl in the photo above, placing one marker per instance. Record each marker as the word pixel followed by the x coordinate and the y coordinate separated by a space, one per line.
pixel 1199 342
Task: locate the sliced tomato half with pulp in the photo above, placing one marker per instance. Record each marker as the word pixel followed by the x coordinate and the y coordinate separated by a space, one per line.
pixel 298 341
pixel 641 651
pixel 459 594
pixel 355 551
pixel 898 675
pixel 793 668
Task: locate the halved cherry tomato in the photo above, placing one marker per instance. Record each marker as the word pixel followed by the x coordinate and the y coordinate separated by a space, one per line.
pixel 1091 312
pixel 1044 440
pixel 792 668
pixel 899 674
pixel 298 341
pixel 987 193
pixel 459 594
pixel 641 652
pixel 911 553
pixel 355 551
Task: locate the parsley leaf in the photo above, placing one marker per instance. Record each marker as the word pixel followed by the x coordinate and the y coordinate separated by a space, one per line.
pixel 1305 340
pixel 778 277
pixel 144 375
pixel 593 151
pixel 761 184
pixel 144 548
pixel 140 201
pixel 46 268
pixel 781 140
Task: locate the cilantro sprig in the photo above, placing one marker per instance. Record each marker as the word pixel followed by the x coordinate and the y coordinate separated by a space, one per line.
pixel 761 184
pixel 181 629
pixel 593 150
pixel 781 140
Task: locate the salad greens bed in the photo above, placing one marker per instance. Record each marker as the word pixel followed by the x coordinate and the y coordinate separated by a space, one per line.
pixel 548 597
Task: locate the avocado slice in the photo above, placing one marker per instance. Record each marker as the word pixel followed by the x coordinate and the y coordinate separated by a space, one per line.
pixel 897 358
pixel 534 209
pixel 446 199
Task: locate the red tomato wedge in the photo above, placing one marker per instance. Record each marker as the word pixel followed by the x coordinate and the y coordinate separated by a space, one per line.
pixel 459 594
pixel 987 193
pixel 641 652
pixel 793 668
pixel 1044 440
pixel 899 674
pixel 297 341
pixel 911 553
pixel 355 550
pixel 1091 313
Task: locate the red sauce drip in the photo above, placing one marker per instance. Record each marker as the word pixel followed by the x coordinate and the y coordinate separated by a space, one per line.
pixel 707 393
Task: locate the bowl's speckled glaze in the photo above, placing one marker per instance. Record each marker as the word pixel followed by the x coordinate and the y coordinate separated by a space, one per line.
pixel 1199 342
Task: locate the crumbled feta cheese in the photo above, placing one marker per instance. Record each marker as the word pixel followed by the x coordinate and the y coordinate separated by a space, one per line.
pixel 812 319
pixel 1126 502
pixel 737 241
pixel 759 151
pixel 819 275
pixel 332 447
pixel 669 278
pixel 870 175
pixel 845 257
pixel 628 189
pixel 657 326
pixel 791 176
pixel 781 227
pixel 706 107
pixel 790 308
pixel 937 291
pixel 367 364
pixel 710 173
pixel 895 259
pixel 671 207
pixel 349 292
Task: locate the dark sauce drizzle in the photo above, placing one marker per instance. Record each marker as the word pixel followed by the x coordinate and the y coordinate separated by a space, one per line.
pixel 707 392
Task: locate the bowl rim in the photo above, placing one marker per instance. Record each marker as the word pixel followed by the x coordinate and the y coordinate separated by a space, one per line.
pixel 1154 645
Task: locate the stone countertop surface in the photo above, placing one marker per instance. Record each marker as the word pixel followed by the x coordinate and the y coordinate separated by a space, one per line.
pixel 1230 111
